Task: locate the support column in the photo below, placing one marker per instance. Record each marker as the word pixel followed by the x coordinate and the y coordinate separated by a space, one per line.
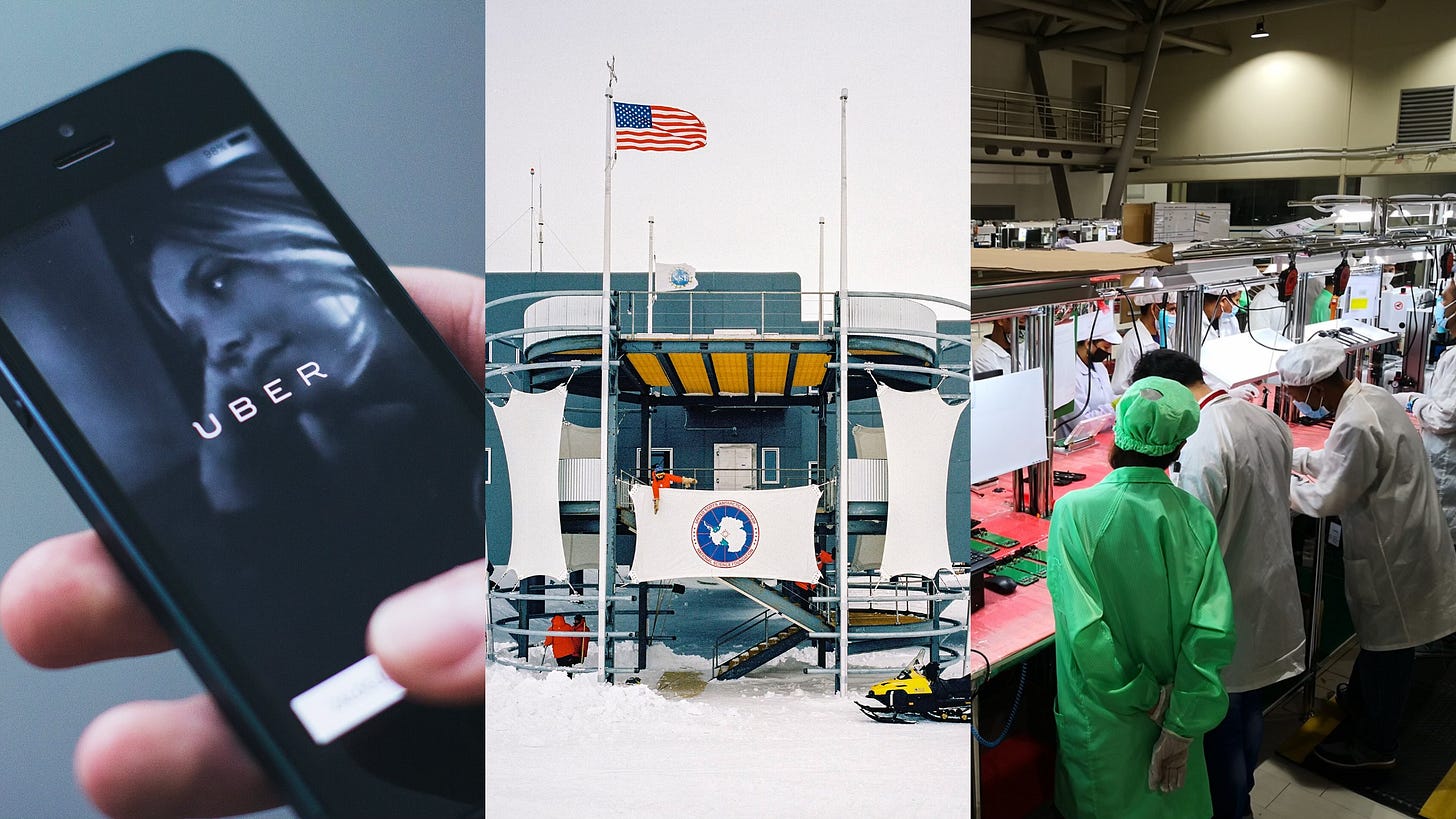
pixel 1049 130
pixel 1113 207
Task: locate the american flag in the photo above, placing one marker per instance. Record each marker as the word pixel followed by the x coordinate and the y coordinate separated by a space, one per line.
pixel 657 128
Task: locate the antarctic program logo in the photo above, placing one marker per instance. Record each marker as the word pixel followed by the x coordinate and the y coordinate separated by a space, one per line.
pixel 680 277
pixel 725 533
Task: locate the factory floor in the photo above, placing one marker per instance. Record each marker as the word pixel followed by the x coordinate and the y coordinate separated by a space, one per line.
pixel 1284 790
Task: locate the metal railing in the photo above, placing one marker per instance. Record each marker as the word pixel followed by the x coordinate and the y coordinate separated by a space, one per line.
pixel 704 312
pixel 758 621
pixel 999 112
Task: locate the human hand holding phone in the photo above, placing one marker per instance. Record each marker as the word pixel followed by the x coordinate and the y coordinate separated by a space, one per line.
pixel 64 603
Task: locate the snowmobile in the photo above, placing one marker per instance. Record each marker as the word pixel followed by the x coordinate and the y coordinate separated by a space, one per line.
pixel 919 692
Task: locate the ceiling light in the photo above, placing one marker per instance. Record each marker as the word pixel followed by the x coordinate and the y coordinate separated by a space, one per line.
pixel 1259 32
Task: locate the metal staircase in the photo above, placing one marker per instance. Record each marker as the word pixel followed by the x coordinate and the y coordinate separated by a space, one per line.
pixel 756 656
pixel 778 603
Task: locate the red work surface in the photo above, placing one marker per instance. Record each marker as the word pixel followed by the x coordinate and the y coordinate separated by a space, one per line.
pixel 1011 625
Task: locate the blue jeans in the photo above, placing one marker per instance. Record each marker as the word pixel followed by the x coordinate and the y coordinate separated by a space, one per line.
pixel 1232 753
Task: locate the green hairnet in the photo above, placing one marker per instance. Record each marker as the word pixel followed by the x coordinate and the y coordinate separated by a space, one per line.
pixel 1155 416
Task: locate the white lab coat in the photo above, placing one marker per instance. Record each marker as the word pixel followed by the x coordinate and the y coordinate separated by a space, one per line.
pixel 1400 568
pixel 1136 341
pixel 1236 463
pixel 1094 393
pixel 989 356
pixel 1265 311
pixel 1436 410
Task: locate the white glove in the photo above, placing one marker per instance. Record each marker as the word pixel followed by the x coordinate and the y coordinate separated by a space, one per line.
pixel 1161 708
pixel 1248 392
pixel 1169 765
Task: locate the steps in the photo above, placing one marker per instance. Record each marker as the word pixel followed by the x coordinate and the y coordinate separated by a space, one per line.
pixel 780 604
pixel 756 656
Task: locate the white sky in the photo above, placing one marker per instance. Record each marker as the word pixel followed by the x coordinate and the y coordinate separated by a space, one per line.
pixel 765 79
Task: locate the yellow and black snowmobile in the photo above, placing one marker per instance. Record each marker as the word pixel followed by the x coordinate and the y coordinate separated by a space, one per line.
pixel 919 692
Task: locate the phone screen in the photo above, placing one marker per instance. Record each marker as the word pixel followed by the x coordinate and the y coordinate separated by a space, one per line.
pixel 290 456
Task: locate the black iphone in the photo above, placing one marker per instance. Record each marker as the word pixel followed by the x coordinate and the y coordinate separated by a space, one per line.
pixel 265 430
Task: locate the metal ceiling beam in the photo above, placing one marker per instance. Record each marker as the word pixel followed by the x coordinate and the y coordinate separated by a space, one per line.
pixel 1206 17
pixel 1031 40
pixel 1198 45
pixel 1001 18
pixel 1069 13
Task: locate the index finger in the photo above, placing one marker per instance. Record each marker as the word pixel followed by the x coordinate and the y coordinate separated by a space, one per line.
pixel 455 303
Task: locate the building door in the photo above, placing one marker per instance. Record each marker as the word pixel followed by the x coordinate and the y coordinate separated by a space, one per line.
pixel 734 466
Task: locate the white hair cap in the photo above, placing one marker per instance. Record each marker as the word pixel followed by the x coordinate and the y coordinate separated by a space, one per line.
pixel 1312 361
pixel 1144 299
pixel 1098 324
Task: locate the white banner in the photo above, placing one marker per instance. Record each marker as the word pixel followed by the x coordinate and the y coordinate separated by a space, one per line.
pixel 672 277
pixel 919 428
pixel 530 428
pixel 765 533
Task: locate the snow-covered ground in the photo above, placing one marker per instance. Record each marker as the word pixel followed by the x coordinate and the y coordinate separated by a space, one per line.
pixel 776 743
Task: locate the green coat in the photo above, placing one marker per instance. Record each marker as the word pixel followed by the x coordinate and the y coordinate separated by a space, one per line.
pixel 1141 601
pixel 1320 310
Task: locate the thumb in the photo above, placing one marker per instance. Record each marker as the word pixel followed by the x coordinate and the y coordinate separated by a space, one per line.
pixel 430 638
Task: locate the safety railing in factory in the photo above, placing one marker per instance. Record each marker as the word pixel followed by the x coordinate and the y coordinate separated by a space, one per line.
pixel 1003 113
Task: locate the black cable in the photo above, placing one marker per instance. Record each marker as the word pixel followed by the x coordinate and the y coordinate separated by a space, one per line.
pixel 1089 364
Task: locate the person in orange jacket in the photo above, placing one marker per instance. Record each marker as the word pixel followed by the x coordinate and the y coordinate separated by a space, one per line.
pixel 566 649
pixel 580 643
pixel 662 479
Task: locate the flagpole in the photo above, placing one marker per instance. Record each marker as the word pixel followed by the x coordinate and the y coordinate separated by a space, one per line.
pixel 651 275
pixel 531 240
pixel 819 297
pixel 842 524
pixel 604 571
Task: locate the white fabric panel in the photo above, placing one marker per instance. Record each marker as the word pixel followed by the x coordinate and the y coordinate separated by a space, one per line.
pixel 1008 424
pixel 580 442
pixel 869 442
pixel 919 429
pixel 767 533
pixel 582 551
pixel 530 428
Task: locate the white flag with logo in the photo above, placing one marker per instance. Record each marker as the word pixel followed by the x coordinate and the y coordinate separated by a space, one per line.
pixel 672 277
pixel 752 533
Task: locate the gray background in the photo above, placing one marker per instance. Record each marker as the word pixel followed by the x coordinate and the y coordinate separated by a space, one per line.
pixel 386 102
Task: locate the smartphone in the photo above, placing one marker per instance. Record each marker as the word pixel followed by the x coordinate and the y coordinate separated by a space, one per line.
pixel 266 432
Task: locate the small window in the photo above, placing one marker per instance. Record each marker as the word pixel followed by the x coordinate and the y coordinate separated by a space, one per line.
pixel 487 465
pixel 661 456
pixel 768 464
pixel 813 473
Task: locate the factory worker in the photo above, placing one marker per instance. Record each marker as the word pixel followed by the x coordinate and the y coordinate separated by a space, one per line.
pixel 994 352
pixel 1144 335
pixel 1266 311
pixel 1436 410
pixel 1400 569
pixel 1144 623
pixel 1064 239
pixel 1237 463
pixel 1320 310
pixel 1215 307
pixel 1096 336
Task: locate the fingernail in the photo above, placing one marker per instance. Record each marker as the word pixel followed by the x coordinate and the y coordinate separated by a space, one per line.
pixel 437 622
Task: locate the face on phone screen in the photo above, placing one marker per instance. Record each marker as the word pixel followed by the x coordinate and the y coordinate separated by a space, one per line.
pixel 289 454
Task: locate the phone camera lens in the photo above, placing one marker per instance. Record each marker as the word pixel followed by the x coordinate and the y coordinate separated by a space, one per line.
pixel 67 130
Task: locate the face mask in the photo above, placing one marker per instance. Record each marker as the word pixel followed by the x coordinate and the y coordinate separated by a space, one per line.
pixel 1098 355
pixel 1020 336
pixel 1310 412
pixel 1166 322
